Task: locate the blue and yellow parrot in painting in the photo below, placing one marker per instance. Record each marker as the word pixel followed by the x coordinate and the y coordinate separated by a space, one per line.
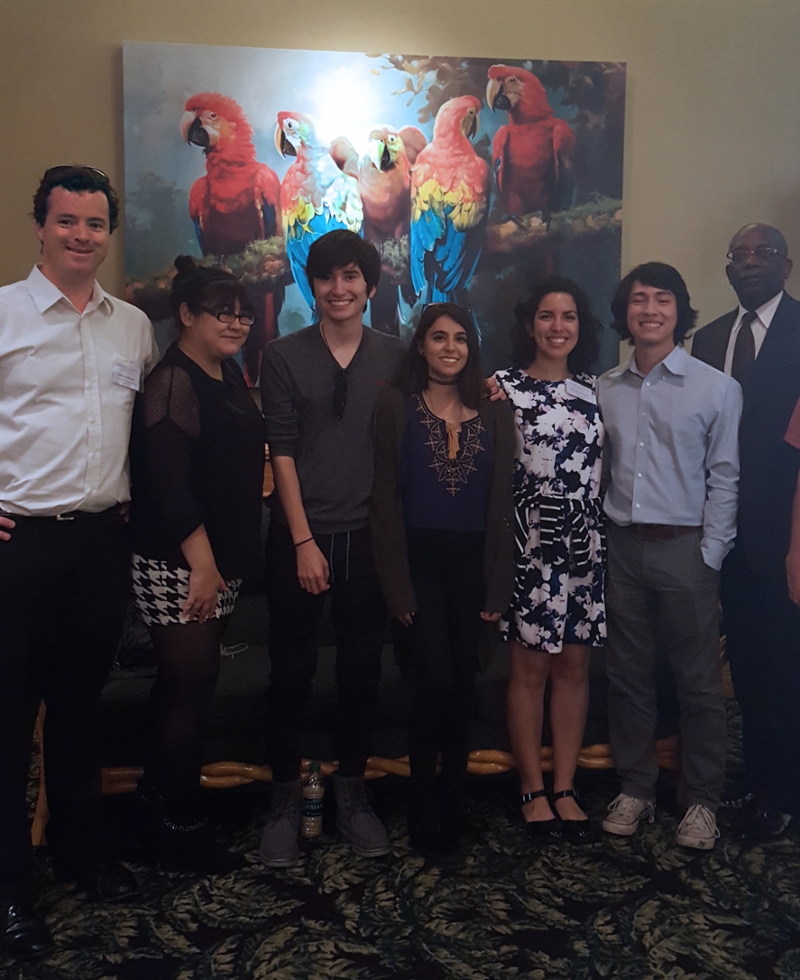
pixel 316 196
pixel 449 205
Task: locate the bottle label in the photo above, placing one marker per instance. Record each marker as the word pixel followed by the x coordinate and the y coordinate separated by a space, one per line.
pixel 312 808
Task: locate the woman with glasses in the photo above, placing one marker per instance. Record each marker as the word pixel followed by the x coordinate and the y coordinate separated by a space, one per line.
pixel 557 612
pixel 440 518
pixel 197 459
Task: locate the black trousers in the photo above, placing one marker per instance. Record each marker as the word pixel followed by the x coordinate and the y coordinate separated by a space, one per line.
pixel 762 626
pixel 65 586
pixel 358 613
pixel 447 573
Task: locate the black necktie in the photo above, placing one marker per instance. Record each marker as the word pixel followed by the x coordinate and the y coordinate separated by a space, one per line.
pixel 744 350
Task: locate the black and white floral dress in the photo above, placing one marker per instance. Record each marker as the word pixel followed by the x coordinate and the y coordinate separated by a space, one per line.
pixel 558 592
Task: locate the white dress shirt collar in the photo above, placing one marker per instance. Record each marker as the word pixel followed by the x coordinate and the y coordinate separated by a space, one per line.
pixel 759 326
pixel 46 294
pixel 765 313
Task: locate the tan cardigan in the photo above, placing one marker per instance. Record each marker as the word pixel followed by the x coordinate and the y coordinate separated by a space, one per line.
pixel 386 519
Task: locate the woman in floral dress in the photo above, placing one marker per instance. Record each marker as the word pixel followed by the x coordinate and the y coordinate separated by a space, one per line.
pixel 557 613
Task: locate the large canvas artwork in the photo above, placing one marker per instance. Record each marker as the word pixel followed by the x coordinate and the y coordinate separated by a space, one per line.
pixel 472 176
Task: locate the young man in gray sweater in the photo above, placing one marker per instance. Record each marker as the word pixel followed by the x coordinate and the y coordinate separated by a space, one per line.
pixel 319 390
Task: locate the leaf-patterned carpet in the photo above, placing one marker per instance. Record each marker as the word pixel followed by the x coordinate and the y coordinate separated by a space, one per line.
pixel 639 908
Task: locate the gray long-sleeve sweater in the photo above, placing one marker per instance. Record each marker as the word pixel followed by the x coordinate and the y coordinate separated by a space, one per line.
pixel 334 457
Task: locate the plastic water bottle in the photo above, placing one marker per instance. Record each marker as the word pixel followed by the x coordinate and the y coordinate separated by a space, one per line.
pixel 313 795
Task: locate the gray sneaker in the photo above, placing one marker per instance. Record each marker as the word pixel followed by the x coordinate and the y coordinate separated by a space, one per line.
pixel 624 814
pixel 355 818
pixel 698 829
pixel 279 840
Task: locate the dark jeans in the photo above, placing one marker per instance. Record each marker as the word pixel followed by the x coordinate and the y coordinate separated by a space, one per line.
pixel 447 573
pixel 653 583
pixel 762 626
pixel 358 613
pixel 65 586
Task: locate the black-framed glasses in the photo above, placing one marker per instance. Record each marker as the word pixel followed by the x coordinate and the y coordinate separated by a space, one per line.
pixel 246 319
pixel 67 169
pixel 339 394
pixel 764 253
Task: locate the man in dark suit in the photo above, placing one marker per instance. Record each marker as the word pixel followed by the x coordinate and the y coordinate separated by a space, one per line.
pixel 759 344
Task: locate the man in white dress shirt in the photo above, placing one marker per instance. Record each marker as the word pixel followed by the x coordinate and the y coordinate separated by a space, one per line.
pixel 71 361
pixel 671 448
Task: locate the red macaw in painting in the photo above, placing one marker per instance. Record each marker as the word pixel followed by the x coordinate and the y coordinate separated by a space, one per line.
pixel 532 153
pixel 316 195
pixel 449 204
pixel 238 200
pixel 236 203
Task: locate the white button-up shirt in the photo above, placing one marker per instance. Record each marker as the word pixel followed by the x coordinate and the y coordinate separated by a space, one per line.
pixel 67 386
pixel 672 448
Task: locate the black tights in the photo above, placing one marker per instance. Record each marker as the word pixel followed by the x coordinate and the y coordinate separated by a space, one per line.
pixel 180 701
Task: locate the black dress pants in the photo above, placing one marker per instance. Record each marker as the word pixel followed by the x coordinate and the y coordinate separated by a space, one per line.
pixel 447 574
pixel 358 613
pixel 762 627
pixel 64 586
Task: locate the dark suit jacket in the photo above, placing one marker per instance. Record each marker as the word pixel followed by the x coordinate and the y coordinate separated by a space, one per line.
pixel 769 466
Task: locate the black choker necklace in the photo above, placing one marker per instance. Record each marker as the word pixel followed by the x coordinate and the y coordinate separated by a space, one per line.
pixel 447 384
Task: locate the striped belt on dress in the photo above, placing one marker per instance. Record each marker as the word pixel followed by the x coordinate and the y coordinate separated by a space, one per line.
pixel 559 517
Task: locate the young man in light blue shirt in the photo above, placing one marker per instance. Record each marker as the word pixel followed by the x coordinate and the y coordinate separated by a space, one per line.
pixel 672 455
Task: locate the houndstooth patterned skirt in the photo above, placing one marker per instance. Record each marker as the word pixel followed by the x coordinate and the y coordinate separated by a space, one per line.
pixel 160 591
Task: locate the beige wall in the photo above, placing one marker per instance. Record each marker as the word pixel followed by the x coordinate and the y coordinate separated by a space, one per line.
pixel 713 114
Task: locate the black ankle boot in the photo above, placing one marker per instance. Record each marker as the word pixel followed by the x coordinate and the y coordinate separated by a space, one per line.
pixel 191 847
pixel 452 822
pixel 423 818
pixel 177 835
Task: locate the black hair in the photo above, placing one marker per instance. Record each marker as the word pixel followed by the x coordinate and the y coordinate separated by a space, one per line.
pixel 205 288
pixel 412 374
pixel 584 354
pixel 74 179
pixel 341 248
pixel 660 276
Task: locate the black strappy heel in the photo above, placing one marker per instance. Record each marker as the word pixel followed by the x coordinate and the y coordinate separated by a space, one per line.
pixel 574 830
pixel 541 830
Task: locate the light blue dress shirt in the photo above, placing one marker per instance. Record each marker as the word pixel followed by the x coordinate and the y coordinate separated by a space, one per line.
pixel 672 449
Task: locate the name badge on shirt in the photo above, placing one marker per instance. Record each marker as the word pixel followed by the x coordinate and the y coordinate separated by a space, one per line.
pixel 577 390
pixel 127 374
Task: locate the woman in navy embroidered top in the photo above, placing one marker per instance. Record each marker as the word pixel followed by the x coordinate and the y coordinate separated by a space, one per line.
pixel 440 519
pixel 197 462
pixel 557 612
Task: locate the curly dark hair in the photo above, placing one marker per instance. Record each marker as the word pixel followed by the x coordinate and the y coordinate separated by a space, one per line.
pixel 74 179
pixel 412 375
pixel 205 288
pixel 341 248
pixel 585 352
pixel 660 276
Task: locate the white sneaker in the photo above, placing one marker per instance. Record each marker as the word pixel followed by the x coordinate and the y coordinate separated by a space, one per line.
pixel 624 815
pixel 698 828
